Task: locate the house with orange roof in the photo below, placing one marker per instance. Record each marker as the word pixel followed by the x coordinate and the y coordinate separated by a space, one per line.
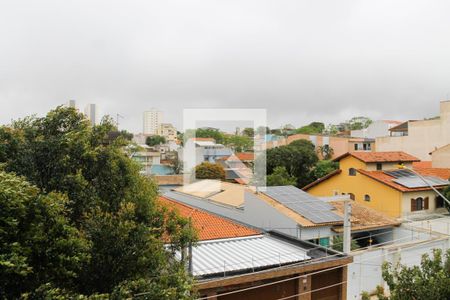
pixel 286 210
pixel 375 180
pixel 230 258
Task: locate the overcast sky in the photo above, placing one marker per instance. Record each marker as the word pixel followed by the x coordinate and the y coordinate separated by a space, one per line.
pixel 302 60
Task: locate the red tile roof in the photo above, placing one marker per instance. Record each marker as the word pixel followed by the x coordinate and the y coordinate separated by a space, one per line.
pixel 314 183
pixel 245 156
pixel 384 178
pixel 372 157
pixel 209 226
pixel 422 164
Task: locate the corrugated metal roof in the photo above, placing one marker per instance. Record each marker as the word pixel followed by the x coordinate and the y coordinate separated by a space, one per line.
pixel 239 254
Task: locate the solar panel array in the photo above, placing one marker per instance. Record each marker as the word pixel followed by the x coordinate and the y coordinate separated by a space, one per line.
pixel 417 182
pixel 400 173
pixel 313 209
pixel 410 180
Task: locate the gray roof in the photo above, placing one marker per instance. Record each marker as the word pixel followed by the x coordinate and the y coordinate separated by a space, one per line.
pixel 243 254
pixel 314 209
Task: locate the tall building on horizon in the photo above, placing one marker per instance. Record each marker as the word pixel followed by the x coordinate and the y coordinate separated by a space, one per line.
pixel 71 103
pixel 91 113
pixel 152 121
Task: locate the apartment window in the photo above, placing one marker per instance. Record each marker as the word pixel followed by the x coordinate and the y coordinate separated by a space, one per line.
pixel 379 166
pixel 352 172
pixel 367 198
pixel 419 203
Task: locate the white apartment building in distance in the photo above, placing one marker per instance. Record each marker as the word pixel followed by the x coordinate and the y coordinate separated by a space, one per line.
pixel 91 113
pixel 152 121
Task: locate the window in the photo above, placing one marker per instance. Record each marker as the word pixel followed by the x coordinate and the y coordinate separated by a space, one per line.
pixel 356 147
pixel 367 198
pixel 419 203
pixel 439 202
pixel 352 172
pixel 352 196
pixel 379 166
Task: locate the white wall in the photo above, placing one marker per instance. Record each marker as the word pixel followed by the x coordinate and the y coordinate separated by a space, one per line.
pixel 423 136
pixel 364 274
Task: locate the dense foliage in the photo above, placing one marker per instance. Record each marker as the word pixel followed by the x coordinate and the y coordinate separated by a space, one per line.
pixel 87 222
pixel 280 176
pixel 218 136
pixel 430 280
pixel 239 143
pixel 298 158
pixel 312 128
pixel 324 167
pixel 207 170
pixel 154 140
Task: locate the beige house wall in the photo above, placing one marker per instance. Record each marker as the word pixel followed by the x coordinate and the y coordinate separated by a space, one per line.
pixel 441 157
pixel 406 202
pixel 423 136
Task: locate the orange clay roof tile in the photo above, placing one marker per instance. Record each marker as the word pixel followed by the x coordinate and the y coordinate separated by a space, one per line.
pixel 209 226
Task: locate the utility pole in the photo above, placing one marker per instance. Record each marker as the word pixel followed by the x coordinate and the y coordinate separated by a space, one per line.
pixel 347 239
pixel 347 226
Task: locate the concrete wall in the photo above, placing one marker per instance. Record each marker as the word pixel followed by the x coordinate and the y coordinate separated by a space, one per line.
pixel 169 179
pixel 423 136
pixel 441 157
pixel 364 274
pixel 376 129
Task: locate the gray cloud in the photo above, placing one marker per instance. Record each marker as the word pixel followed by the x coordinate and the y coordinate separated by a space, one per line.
pixel 302 60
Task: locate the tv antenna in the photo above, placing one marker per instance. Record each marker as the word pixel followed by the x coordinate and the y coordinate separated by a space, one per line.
pixel 118 116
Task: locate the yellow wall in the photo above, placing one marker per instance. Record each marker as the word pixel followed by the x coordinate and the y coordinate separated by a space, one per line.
pixel 383 198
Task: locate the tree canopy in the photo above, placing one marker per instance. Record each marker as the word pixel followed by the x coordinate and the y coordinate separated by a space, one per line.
pixel 154 140
pixel 430 280
pixel 248 131
pixel 312 128
pixel 89 223
pixel 218 136
pixel 280 176
pixel 207 170
pixel 239 143
pixel 324 167
pixel 298 158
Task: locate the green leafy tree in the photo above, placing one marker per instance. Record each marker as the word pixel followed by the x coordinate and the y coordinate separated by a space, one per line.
pixel 154 140
pixel 218 136
pixel 38 243
pixel 107 200
pixel 312 128
pixel 324 167
pixel 239 143
pixel 430 280
pixel 298 158
pixel 248 131
pixel 207 170
pixel 325 151
pixel 280 176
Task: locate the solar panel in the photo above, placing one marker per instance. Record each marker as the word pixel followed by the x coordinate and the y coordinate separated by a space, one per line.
pixel 417 182
pixel 400 173
pixel 313 209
